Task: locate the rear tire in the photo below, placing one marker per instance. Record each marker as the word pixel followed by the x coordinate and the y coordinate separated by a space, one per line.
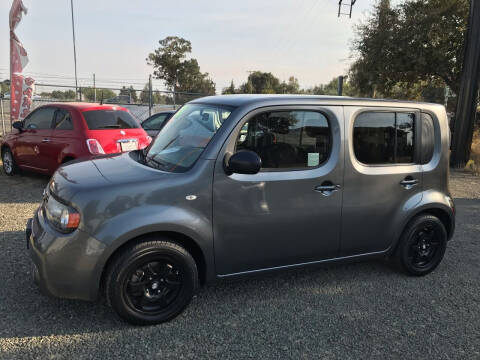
pixel 151 282
pixel 422 245
pixel 9 166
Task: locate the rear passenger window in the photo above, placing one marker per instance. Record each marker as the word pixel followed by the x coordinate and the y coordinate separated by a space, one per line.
pixel 384 138
pixel 63 120
pixel 287 139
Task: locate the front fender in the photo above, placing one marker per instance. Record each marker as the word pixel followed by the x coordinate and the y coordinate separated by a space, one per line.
pixel 139 221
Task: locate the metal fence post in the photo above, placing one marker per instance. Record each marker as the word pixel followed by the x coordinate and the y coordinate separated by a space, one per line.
pixel 150 95
pixel 94 90
pixel 3 118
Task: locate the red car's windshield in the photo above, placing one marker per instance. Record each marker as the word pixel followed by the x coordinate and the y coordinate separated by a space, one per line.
pixel 109 119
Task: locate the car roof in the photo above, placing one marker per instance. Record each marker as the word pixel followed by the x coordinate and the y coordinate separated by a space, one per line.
pixel 83 106
pixel 258 99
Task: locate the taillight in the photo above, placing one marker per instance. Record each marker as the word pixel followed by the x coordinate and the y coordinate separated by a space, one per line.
pixel 94 147
pixel 149 140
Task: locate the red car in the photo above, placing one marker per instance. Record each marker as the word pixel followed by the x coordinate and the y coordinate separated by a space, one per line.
pixel 56 133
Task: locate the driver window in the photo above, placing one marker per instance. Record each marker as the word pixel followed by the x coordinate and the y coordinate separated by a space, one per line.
pixel 287 139
pixel 40 119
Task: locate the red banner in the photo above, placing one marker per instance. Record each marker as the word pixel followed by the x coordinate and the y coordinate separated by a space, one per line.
pixel 21 87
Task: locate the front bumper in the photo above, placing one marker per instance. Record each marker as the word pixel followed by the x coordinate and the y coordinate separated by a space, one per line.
pixel 64 265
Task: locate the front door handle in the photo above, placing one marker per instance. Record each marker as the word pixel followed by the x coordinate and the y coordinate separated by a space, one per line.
pixel 46 140
pixel 327 188
pixel 409 182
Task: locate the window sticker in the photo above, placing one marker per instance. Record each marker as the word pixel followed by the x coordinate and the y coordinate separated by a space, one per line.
pixel 313 159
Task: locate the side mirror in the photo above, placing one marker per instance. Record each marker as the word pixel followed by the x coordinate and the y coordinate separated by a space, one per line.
pixel 18 125
pixel 243 162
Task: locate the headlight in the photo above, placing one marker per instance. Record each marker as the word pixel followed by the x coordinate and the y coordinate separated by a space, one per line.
pixel 62 217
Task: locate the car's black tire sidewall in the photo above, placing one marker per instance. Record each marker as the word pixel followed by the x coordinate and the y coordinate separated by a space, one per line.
pixel 14 165
pixel 408 238
pixel 142 252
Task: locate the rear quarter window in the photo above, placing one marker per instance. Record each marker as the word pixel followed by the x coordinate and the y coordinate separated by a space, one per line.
pixel 109 119
pixel 428 138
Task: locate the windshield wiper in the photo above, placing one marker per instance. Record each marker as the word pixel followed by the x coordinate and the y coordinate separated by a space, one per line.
pixel 159 164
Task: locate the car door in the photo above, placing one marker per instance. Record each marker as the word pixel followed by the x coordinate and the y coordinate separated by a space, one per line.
pixel 289 213
pixel 153 124
pixel 383 178
pixel 36 139
pixel 62 138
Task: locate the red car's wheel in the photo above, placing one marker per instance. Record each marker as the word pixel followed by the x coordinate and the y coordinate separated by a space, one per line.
pixel 9 165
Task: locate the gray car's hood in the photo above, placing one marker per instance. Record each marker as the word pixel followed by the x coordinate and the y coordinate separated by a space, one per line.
pixel 71 178
pixel 101 173
pixel 125 168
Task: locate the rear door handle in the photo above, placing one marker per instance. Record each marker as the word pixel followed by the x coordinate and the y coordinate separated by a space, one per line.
pixel 327 188
pixel 409 182
pixel 45 140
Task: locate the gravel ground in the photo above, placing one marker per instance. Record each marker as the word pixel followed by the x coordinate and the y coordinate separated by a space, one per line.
pixel 357 311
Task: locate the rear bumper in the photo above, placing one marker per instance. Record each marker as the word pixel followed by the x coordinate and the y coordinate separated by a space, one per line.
pixel 63 265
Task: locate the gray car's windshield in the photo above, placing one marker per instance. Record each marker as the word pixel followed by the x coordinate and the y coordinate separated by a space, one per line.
pixel 180 143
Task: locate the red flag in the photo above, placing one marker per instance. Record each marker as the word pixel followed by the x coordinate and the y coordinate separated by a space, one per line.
pixel 21 88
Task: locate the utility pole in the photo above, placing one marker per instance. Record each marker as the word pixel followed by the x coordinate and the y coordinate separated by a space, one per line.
pixel 74 51
pixel 94 90
pixel 467 95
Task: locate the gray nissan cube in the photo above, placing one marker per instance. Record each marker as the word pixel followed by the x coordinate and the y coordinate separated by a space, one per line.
pixel 246 184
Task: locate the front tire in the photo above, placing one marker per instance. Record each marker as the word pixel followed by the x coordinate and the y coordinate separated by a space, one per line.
pixel 9 166
pixel 151 282
pixel 422 246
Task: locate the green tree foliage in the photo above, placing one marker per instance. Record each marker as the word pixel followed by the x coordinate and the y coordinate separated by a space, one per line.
pixel 331 88
pixel 88 94
pixel 59 95
pixel 290 87
pixel 4 87
pixel 171 65
pixel 157 97
pixel 416 44
pixel 261 83
pixel 229 90
pixel 129 91
pixel 264 83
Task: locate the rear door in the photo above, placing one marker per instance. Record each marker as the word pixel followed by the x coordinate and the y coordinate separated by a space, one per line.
pixel 63 139
pixel 289 213
pixel 383 176
pixel 36 138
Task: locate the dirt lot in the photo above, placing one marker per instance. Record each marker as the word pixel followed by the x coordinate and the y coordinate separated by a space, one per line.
pixel 357 311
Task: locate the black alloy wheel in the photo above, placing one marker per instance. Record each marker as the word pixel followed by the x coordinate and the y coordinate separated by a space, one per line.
pixel 422 245
pixel 151 281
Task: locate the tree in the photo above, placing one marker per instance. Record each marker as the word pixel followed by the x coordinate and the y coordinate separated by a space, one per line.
pixel 331 88
pixel 171 65
pixel 290 87
pixel 261 83
pixel 417 41
pixel 157 97
pixel 4 87
pixel 129 91
pixel 229 90
pixel 88 94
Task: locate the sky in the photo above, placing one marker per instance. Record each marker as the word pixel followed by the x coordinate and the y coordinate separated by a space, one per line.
pixel 303 38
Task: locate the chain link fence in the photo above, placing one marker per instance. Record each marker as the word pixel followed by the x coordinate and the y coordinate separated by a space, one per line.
pixel 140 103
